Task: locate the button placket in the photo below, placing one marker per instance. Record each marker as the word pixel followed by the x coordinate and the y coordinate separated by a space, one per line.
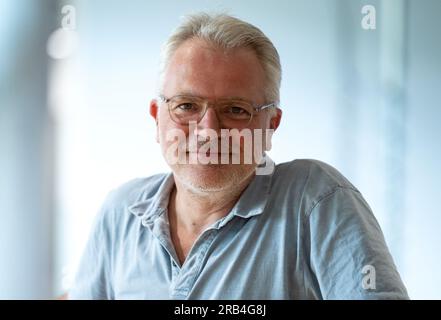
pixel 193 264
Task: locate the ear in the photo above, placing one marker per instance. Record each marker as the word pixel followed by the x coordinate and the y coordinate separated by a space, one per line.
pixel 154 113
pixel 275 120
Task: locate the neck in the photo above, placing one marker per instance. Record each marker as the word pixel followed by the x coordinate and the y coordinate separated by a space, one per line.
pixel 194 211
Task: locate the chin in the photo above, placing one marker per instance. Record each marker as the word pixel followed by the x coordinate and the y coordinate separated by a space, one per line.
pixel 212 177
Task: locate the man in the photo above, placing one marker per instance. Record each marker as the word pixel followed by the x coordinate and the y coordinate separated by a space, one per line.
pixel 222 229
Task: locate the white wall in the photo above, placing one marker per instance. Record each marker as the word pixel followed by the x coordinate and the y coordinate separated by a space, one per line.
pixel 423 151
pixel 26 152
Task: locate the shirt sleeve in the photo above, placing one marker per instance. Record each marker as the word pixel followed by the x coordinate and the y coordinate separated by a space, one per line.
pixel 348 254
pixel 92 279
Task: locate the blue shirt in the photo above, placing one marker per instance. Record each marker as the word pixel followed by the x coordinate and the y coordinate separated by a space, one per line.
pixel 301 232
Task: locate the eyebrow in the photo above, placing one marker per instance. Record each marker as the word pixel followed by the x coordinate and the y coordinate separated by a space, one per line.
pixel 191 94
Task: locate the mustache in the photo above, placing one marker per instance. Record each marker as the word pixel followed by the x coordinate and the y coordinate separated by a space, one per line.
pixel 225 145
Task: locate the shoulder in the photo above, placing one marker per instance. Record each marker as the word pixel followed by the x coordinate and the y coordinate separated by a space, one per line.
pixel 308 181
pixel 314 175
pixel 115 209
pixel 134 190
pixel 313 170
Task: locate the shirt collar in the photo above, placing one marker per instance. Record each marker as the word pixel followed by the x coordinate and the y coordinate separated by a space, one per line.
pixel 252 202
pixel 151 207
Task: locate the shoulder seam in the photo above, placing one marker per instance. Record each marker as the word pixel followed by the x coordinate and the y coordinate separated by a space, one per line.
pixel 327 195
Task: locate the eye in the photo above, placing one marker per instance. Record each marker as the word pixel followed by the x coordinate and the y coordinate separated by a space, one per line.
pixel 237 111
pixel 185 107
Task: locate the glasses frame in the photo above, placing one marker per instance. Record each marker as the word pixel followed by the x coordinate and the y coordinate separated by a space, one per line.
pixel 257 109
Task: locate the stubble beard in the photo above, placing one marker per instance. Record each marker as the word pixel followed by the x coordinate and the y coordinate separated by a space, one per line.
pixel 213 177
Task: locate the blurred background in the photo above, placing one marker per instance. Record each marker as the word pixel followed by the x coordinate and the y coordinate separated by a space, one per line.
pixel 361 91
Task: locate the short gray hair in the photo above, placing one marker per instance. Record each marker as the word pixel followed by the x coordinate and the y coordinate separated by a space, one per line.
pixel 227 32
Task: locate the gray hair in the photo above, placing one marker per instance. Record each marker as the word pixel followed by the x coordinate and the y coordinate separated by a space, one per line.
pixel 227 32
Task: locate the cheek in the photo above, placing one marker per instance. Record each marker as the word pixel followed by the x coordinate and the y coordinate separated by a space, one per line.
pixel 169 132
pixel 165 126
pixel 265 120
pixel 264 134
pixel 162 132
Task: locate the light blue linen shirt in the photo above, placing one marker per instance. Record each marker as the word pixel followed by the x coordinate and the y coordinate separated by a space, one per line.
pixel 302 232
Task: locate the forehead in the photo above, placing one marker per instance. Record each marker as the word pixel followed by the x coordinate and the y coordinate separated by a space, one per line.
pixel 201 69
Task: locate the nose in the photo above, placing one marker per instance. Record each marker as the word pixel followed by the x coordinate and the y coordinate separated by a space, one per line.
pixel 210 120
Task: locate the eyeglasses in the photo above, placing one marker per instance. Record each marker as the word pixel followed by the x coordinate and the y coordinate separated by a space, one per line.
pixel 232 113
